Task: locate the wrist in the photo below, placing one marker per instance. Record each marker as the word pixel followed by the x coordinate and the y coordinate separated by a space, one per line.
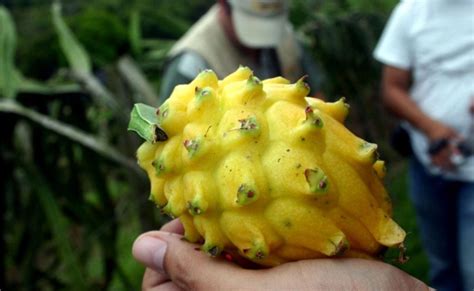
pixel 430 128
pixel 435 130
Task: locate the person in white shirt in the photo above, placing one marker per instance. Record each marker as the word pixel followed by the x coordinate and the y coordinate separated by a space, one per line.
pixel 427 49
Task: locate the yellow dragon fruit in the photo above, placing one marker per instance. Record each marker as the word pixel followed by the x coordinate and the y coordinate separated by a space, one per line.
pixel 258 169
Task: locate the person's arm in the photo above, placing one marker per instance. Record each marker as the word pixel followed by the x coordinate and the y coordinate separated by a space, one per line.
pixel 395 85
pixel 174 264
pixel 395 91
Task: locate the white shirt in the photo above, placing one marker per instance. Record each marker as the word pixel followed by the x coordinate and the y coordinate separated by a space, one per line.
pixel 434 39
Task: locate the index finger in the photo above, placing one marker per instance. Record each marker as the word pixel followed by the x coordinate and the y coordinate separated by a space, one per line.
pixel 174 226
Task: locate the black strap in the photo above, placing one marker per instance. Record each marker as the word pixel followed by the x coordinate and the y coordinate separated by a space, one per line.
pixel 437 145
pixel 269 63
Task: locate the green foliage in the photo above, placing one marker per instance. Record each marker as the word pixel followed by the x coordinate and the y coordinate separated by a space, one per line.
pixel 38 53
pixel 101 26
pixel 77 57
pixel 96 27
pixel 7 47
pixel 170 19
pixel 134 32
pixel 60 168
pixel 59 225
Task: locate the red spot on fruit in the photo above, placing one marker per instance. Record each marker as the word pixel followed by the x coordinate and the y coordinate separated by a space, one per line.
pixel 229 257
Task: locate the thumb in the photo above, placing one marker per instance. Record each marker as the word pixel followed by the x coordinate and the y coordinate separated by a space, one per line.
pixel 184 263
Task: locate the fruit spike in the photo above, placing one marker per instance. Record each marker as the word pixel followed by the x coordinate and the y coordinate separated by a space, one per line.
pixel 202 93
pixel 246 194
pixel 190 232
pixel 174 208
pixel 337 110
pixel 313 118
pixel 258 251
pixel 301 87
pixel 343 108
pixel 206 78
pixel 214 239
pixel 252 89
pixel 309 128
pixel 254 82
pixel 172 115
pixel 192 146
pixel 249 124
pixel 203 104
pixel 176 205
pixel 166 210
pixel 197 91
pixel 212 250
pixel 317 181
pixel 254 253
pixel 240 74
pixel 380 169
pixel 197 192
pixel 276 80
pixel 162 112
pixel 341 247
pixel 195 208
pixel 247 92
pixel 159 165
pixel 157 192
pixel 367 152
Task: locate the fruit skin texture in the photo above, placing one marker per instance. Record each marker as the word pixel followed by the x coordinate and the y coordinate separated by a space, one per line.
pixel 256 168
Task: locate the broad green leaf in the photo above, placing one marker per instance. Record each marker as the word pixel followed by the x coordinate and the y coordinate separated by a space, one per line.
pixel 8 86
pixel 79 61
pixel 75 134
pixel 26 85
pixel 33 86
pixel 76 55
pixel 134 32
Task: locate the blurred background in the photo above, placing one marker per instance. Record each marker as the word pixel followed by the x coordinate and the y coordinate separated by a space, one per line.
pixel 73 198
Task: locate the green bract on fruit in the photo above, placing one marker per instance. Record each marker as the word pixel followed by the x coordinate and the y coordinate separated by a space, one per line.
pixel 256 168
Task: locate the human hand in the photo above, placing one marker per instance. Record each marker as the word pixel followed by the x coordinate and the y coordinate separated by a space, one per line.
pixel 437 132
pixel 174 264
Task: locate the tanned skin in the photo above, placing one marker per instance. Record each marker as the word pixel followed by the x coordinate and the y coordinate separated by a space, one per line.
pixel 396 84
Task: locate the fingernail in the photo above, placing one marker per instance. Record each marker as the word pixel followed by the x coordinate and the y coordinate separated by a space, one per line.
pixel 151 252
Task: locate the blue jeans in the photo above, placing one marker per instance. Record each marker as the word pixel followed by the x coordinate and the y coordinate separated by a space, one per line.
pixel 445 216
